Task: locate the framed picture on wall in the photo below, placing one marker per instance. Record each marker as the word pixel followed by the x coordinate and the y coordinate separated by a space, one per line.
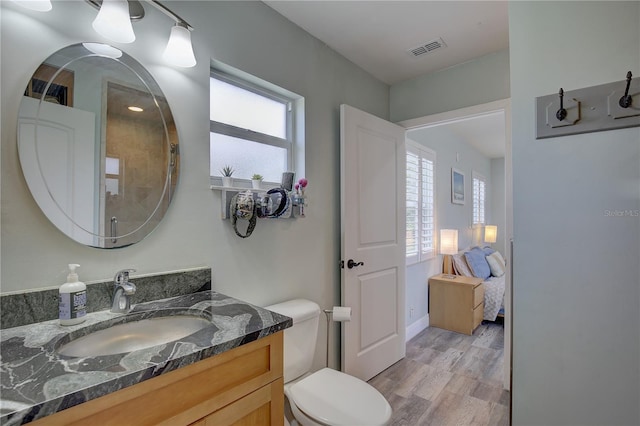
pixel 457 186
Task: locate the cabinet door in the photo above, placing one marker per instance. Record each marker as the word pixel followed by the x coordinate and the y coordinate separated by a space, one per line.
pixel 456 306
pixel 265 406
pixel 189 393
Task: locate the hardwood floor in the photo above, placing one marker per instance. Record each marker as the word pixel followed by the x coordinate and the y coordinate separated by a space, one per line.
pixel 449 378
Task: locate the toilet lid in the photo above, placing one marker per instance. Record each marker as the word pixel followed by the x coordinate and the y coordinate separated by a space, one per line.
pixel 337 399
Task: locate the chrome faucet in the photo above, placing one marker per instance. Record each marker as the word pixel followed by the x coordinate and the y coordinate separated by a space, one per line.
pixel 122 292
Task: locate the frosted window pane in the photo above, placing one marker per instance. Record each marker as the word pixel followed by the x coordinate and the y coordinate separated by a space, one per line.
pixel 112 166
pixel 246 158
pixel 238 107
pixel 111 185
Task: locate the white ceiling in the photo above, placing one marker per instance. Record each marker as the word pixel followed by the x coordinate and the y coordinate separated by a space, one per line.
pixel 377 36
pixel 485 133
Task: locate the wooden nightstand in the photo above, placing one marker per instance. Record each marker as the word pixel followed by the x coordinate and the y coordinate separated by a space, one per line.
pixel 456 304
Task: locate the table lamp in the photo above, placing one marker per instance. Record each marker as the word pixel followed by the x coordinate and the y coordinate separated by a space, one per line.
pixel 490 233
pixel 448 247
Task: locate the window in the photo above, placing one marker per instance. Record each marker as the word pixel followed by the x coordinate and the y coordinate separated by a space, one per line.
pixel 479 195
pixel 420 203
pixel 253 128
pixel 112 175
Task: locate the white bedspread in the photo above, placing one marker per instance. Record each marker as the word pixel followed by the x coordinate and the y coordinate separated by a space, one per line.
pixel 493 297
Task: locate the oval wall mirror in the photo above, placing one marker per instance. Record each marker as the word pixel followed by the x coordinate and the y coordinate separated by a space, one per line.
pixel 98 145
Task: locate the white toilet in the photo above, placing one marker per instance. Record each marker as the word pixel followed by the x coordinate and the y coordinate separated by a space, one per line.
pixel 326 397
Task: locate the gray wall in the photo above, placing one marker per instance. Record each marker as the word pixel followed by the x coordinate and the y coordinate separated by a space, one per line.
pixel 449 216
pixel 282 259
pixel 497 201
pixel 476 82
pixel 576 311
pixel 452 151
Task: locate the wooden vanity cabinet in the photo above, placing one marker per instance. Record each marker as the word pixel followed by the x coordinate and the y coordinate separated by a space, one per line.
pixel 243 386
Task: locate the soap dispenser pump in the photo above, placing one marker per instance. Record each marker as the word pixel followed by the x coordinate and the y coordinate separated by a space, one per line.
pixel 72 299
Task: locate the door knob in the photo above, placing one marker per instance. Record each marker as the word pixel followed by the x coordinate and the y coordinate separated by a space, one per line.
pixel 352 264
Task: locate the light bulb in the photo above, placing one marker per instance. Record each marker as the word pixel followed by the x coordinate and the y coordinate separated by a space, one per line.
pixel 113 21
pixel 179 51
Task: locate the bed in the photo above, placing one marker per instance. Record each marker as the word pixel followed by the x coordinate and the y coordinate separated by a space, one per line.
pixel 488 264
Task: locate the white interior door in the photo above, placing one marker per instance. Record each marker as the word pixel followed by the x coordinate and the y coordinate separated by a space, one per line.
pixel 372 166
pixel 59 166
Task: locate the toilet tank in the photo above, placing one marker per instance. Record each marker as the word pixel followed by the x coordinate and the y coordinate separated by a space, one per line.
pixel 300 339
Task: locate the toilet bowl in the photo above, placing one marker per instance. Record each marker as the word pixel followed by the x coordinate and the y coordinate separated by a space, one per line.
pixel 329 397
pixel 326 397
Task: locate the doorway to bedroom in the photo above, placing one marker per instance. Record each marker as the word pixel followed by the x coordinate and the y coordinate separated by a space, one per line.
pixel 447 375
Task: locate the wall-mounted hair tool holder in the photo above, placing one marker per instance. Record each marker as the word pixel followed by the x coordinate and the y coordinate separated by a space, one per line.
pixel 241 204
pixel 273 204
pixel 592 109
pixel 268 203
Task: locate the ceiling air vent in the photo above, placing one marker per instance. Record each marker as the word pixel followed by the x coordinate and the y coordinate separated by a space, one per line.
pixel 427 47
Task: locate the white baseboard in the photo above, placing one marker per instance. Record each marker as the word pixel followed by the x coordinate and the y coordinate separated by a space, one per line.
pixel 416 327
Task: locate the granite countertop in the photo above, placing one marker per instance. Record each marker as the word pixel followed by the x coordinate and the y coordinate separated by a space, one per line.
pixel 35 381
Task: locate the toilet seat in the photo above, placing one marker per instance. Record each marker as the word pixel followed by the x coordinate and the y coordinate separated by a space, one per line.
pixel 334 398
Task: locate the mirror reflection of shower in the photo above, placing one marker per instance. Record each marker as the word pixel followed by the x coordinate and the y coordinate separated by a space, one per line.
pixel 133 180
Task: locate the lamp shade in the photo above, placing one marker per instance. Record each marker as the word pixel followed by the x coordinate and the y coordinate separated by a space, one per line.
pixel 113 21
pixel 490 233
pixel 37 5
pixel 179 51
pixel 448 241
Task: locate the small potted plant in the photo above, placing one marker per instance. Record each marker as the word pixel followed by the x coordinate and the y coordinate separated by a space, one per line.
pixel 227 172
pixel 256 181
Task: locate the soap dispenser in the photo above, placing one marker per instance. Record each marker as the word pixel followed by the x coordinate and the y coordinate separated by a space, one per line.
pixel 73 299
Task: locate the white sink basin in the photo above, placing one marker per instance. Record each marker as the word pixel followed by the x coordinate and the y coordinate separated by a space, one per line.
pixel 132 336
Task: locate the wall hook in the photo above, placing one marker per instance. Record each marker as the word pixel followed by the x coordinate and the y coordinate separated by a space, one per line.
pixel 561 114
pixel 626 100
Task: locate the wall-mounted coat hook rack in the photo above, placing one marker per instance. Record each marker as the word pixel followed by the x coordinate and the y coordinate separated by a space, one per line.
pixel 592 109
pixel 561 114
pixel 626 100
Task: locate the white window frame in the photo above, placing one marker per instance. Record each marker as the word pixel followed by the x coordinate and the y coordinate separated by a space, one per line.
pixel 479 191
pixel 429 252
pixel 294 140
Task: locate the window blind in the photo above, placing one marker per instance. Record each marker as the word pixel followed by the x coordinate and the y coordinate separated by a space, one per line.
pixel 420 203
pixel 479 192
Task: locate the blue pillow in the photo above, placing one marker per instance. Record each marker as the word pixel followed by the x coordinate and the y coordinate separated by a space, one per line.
pixel 476 258
pixel 488 251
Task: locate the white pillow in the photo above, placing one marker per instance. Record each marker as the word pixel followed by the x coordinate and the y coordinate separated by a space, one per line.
pixel 496 264
pixel 461 266
pixel 500 258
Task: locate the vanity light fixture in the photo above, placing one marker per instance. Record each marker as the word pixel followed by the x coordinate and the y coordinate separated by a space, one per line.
pixel 114 22
pixel 179 50
pixel 37 5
